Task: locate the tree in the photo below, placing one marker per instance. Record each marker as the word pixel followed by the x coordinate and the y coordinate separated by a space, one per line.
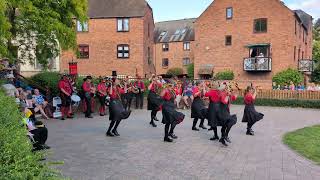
pixel 190 71
pixel 315 77
pixel 43 26
pixel 225 75
pixel 285 77
pixel 316 51
pixel 175 72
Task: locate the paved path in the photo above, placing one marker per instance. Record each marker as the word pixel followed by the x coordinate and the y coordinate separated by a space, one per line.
pixel 140 152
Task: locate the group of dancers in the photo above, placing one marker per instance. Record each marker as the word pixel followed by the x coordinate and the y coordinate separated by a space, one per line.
pixel 161 97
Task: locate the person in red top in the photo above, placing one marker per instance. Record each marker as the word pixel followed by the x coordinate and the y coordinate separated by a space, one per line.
pixel 170 117
pixel 88 90
pixel 226 119
pixel 102 93
pixel 178 90
pixel 250 115
pixel 65 95
pixel 116 109
pixel 198 109
pixel 214 108
pixel 139 86
pixel 154 100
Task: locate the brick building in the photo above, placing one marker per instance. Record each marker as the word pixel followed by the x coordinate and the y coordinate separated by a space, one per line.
pixel 117 37
pixel 174 45
pixel 256 39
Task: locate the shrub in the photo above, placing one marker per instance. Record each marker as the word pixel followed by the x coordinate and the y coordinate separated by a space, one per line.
pixel 315 104
pixel 315 77
pixel 285 77
pixel 17 160
pixel 49 79
pixel 175 72
pixel 190 71
pixel 225 75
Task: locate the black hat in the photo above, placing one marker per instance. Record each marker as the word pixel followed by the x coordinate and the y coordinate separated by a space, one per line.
pixel 88 77
pixel 114 73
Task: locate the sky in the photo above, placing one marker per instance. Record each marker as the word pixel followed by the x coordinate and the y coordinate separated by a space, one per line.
pixel 165 10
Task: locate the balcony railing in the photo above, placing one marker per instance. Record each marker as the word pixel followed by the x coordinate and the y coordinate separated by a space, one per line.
pixel 257 64
pixel 305 65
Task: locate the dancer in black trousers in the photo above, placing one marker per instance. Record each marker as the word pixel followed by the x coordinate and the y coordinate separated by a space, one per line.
pixel 170 117
pixel 214 108
pixel 116 109
pixel 198 109
pixel 154 100
pixel 250 115
pixel 139 86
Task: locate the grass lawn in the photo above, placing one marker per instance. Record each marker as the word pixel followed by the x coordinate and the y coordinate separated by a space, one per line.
pixel 306 142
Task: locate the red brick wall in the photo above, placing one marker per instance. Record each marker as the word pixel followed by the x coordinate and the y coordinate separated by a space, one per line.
pixel 103 39
pixel 212 27
pixel 175 56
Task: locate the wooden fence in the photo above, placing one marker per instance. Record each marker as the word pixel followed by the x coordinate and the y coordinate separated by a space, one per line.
pixel 286 94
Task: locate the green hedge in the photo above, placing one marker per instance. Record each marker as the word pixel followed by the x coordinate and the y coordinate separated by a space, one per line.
pixel 225 75
pixel 49 79
pixel 17 160
pixel 285 77
pixel 315 104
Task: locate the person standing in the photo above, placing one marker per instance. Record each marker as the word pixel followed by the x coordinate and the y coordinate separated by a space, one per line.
pixel 170 117
pixel 250 115
pixel 128 96
pixel 65 95
pixel 214 108
pixel 198 109
pixel 139 85
pixel 154 100
pixel 102 93
pixel 88 90
pixel 116 109
pixel 178 90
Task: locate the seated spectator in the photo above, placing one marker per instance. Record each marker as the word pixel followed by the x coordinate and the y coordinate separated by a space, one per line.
pixel 188 94
pixel 286 87
pixel 292 86
pixel 40 136
pixel 178 90
pixel 312 87
pixel 300 87
pixel 41 104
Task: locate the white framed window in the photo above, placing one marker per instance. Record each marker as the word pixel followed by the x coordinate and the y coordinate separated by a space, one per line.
pixel 186 61
pixel 123 25
pixel 82 27
pixel 123 51
pixel 186 46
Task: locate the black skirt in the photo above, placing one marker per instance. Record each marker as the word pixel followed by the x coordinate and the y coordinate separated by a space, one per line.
pixel 213 111
pixel 170 115
pixel 224 116
pixel 250 115
pixel 154 101
pixel 117 111
pixel 198 109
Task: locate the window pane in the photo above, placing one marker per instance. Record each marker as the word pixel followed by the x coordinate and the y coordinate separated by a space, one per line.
pixel 229 13
pixel 263 25
pixel 120 25
pixel 257 26
pixel 126 48
pixel 79 27
pixel 126 24
pixel 126 55
pixel 85 26
pixel 120 48
pixel 120 55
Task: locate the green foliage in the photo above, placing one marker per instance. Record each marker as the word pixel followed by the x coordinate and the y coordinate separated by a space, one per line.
pixel 175 71
pixel 225 75
pixel 17 160
pixel 316 51
pixel 51 24
pixel 49 79
pixel 285 77
pixel 190 71
pixel 306 142
pixel 315 77
pixel 314 104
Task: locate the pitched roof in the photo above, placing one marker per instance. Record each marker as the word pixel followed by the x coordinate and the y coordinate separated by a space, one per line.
pixel 174 31
pixel 116 8
pixel 305 18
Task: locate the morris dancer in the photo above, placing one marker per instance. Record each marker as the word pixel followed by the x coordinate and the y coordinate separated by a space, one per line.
pixel 214 108
pixel 250 115
pixel 65 95
pixel 198 109
pixel 116 109
pixel 102 93
pixel 154 100
pixel 170 117
pixel 226 119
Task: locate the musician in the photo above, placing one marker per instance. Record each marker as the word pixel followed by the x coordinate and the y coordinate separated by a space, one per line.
pixel 102 93
pixel 116 109
pixel 154 100
pixel 214 107
pixel 198 109
pixel 88 90
pixel 170 117
pixel 250 115
pixel 65 95
pixel 226 119
pixel 139 86
pixel 128 94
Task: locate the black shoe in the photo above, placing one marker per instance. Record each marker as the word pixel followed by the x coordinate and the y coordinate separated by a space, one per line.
pixel 195 129
pixel 109 134
pixel 228 139
pixel 173 136
pixel 153 124
pixel 89 116
pixel 167 139
pixel 210 129
pixel 214 138
pixel 156 119
pixel 202 126
pixel 223 142
pixel 101 114
pixel 115 132
pixel 69 117
pixel 62 119
pixel 250 133
pixel 46 146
